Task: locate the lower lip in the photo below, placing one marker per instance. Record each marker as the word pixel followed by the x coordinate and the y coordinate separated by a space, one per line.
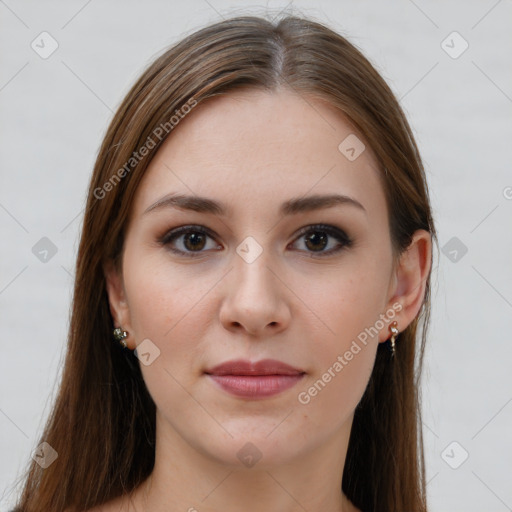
pixel 259 386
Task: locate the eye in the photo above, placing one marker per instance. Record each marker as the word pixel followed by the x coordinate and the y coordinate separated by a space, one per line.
pixel 193 239
pixel 317 239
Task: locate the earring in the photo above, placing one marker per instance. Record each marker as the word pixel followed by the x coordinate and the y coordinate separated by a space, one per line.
pixel 393 328
pixel 120 335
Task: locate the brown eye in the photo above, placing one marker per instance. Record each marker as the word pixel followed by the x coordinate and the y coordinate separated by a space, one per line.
pixel 318 237
pixel 194 241
pixel 316 241
pixel 190 239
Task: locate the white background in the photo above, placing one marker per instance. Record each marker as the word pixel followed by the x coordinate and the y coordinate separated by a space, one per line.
pixel 54 113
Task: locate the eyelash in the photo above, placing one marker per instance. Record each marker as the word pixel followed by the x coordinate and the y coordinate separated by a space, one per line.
pixel 338 234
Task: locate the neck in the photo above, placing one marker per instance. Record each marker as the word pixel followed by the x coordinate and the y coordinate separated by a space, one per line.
pixel 187 479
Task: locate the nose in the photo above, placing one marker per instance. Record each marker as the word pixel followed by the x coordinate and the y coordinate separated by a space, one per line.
pixel 255 299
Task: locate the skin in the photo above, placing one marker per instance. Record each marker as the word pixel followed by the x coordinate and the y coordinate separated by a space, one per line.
pixel 253 150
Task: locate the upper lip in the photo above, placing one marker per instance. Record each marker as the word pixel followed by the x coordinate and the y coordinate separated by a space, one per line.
pixel 245 367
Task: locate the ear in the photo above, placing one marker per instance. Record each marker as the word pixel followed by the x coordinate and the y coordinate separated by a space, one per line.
pixel 117 299
pixel 408 285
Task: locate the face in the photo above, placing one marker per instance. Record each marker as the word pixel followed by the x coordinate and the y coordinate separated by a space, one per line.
pixel 310 287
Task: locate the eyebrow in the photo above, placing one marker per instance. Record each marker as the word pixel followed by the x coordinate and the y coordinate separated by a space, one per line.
pixel 291 207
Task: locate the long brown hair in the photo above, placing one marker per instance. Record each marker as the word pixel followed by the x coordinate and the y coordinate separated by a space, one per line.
pixel 102 424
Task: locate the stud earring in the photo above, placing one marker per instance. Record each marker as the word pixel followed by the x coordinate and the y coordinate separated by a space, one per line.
pixel 393 328
pixel 120 336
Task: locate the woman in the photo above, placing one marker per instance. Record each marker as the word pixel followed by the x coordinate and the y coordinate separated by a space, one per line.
pixel 254 263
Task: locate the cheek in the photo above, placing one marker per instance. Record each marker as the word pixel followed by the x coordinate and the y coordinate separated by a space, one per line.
pixel 159 293
pixel 346 302
pixel 166 308
pixel 331 398
pixel 348 308
pixel 170 306
pixel 343 363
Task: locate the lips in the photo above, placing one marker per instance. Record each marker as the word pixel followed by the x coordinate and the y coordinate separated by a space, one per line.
pixel 257 380
pixel 263 367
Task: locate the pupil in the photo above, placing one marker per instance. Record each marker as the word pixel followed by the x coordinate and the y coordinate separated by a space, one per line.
pixel 317 239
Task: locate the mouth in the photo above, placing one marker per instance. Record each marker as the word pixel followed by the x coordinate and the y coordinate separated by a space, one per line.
pixel 261 379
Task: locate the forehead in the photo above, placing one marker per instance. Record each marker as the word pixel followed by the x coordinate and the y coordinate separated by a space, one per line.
pixel 255 148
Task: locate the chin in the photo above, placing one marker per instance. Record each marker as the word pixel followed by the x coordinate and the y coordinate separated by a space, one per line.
pixel 263 448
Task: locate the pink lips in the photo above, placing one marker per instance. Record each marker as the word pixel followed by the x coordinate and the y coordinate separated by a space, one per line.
pixel 255 380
